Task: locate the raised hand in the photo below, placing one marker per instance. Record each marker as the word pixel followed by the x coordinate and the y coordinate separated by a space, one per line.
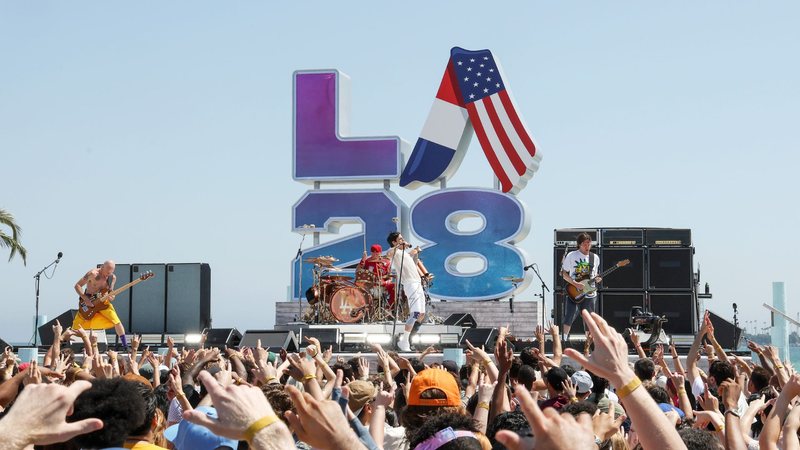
pixel 238 407
pixel 39 416
pixel 610 356
pixel 605 424
pixel 552 430
pixel 320 423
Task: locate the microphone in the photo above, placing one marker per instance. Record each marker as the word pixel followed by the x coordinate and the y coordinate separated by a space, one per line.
pixel 530 266
pixel 60 254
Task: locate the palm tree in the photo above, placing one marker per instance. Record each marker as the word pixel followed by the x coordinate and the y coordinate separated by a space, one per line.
pixel 12 241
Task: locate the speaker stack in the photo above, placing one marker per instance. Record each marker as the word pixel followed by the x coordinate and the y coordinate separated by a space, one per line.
pixel 659 277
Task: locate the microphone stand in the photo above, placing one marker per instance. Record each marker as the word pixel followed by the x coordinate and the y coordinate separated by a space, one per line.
pixel 397 288
pixel 544 287
pixel 38 277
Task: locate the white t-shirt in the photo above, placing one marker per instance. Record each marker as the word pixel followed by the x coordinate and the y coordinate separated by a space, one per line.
pixel 577 265
pixel 410 273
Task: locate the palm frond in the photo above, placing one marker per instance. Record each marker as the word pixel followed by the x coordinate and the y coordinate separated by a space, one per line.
pixel 12 242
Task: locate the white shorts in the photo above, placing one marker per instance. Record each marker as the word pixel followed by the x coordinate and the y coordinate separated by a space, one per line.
pixel 416 297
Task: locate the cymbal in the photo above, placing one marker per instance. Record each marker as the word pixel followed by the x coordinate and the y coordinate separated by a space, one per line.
pixel 322 260
pixel 333 269
pixel 513 279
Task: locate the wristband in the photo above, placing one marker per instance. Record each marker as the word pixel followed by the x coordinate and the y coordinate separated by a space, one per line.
pixel 487 361
pixel 270 380
pixel 259 425
pixel 626 390
pixel 309 377
pixel 574 400
pixel 779 367
pixel 483 405
pixel 180 394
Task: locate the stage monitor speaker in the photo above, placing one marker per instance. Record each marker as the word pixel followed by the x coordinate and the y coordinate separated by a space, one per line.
pixel 679 309
pixel 558 317
pixel 272 340
pixel 223 337
pixel 570 236
pixel 727 334
pixel 628 278
pixel 148 300
pixel 669 269
pixel 668 237
pixel 46 329
pixel 122 302
pixel 462 320
pixel 616 307
pixel 622 237
pixel 479 336
pixel 325 336
pixel 188 298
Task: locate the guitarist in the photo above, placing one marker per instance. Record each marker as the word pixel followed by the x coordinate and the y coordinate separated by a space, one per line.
pixel 578 265
pixel 99 280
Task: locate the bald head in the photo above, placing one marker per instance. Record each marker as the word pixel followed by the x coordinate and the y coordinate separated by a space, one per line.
pixel 108 268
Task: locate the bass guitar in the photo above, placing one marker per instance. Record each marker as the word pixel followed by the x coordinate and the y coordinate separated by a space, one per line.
pixel 588 286
pixel 102 299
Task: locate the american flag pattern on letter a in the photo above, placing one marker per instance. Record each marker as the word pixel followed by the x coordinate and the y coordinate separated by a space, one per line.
pixel 506 142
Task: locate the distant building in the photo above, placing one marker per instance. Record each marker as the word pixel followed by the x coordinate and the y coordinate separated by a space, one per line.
pixel 780 327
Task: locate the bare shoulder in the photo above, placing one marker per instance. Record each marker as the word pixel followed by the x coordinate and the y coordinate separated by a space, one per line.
pixel 91 274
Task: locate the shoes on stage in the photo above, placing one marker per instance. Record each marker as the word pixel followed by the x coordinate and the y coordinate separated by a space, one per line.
pixel 403 345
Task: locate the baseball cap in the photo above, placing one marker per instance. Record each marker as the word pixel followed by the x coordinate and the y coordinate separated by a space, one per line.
pixel 361 393
pixel 434 378
pixel 190 436
pixel 666 407
pixel 582 381
pixel 376 248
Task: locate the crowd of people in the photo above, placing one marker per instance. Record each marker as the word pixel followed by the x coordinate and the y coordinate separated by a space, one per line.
pixel 209 398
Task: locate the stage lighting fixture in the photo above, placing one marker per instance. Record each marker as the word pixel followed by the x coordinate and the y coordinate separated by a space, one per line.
pixel 192 339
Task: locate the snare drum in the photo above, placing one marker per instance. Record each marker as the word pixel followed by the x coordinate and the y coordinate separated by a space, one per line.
pixel 349 303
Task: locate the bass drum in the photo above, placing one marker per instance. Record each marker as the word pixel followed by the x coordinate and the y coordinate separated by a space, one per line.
pixel 348 304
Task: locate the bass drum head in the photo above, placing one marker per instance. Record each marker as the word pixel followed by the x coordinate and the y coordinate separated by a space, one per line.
pixel 348 304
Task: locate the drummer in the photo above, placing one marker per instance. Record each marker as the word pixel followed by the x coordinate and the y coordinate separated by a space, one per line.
pixel 379 266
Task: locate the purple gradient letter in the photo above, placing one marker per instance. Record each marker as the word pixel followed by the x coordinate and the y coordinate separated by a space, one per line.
pixel 322 150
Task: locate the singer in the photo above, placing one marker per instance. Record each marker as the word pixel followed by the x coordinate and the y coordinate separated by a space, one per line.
pixel 579 265
pixel 404 263
pixel 97 280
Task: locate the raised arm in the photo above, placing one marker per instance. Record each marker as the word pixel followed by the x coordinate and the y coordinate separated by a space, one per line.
pixel 610 361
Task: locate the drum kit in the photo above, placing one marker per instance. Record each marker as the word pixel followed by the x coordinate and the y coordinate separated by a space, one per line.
pixel 335 298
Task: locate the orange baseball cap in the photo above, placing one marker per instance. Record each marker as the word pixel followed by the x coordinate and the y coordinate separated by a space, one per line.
pixel 434 378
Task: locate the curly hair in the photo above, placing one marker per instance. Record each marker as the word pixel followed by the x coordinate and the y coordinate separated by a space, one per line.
pixel 278 399
pixel 457 421
pixel 579 408
pixel 512 420
pixel 118 403
pixel 696 439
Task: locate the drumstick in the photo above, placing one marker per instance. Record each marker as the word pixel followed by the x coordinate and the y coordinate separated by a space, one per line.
pixel 365 239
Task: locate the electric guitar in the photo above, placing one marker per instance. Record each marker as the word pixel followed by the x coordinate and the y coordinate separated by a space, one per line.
pixel 101 300
pixel 577 296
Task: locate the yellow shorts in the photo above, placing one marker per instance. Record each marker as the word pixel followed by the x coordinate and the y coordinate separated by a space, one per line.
pixel 103 320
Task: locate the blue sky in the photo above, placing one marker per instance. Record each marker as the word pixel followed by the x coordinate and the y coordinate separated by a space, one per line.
pixel 153 132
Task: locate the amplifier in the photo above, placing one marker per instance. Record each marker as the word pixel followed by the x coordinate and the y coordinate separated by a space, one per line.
pixel 622 237
pixel 668 237
pixel 569 236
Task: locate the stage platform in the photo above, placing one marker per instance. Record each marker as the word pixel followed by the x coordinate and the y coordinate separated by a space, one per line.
pixel 487 314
